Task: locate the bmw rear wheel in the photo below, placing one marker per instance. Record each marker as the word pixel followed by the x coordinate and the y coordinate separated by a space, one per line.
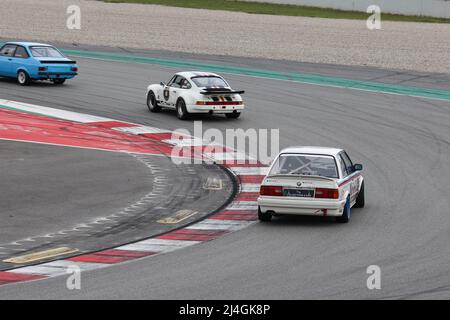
pixel 151 102
pixel 360 199
pixel 23 78
pixel 264 216
pixel 182 114
pixel 346 214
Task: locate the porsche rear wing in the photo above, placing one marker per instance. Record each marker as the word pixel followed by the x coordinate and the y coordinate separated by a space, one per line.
pixel 216 91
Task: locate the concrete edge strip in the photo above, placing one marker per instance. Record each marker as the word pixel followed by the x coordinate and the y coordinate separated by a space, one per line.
pixel 236 216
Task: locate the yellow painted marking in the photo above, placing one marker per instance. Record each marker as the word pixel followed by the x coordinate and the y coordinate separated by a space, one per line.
pixel 213 184
pixel 178 217
pixel 36 256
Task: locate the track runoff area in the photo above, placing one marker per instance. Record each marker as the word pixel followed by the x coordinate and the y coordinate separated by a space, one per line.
pixel 38 124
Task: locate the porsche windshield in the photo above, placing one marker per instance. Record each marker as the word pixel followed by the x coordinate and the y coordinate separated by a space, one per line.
pixel 209 81
pixel 305 164
pixel 46 52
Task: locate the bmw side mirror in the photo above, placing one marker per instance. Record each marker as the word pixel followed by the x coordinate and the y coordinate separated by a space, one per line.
pixel 357 167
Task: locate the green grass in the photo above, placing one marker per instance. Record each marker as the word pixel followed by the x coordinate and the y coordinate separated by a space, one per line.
pixel 279 9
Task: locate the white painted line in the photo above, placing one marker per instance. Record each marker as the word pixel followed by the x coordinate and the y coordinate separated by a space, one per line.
pixel 140 130
pixel 226 156
pixel 243 205
pixel 51 112
pixel 250 171
pixel 250 187
pixel 40 270
pixel 212 224
pixel 195 142
pixel 84 266
pixel 57 268
pixel 158 245
pixel 168 242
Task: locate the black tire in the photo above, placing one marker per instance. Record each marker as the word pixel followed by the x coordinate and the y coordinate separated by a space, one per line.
pixel 360 199
pixel 346 214
pixel 58 81
pixel 151 103
pixel 265 217
pixel 182 113
pixel 23 78
pixel 233 115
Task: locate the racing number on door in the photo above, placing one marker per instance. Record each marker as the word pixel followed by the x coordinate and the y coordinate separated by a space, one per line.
pixel 166 93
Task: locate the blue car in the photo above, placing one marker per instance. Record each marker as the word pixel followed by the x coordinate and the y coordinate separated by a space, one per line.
pixel 27 61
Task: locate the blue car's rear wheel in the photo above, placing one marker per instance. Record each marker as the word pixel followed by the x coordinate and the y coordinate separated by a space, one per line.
pixel 58 81
pixel 23 78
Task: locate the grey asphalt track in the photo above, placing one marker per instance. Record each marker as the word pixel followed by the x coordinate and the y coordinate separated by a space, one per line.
pixel 58 196
pixel 403 143
pixel 47 184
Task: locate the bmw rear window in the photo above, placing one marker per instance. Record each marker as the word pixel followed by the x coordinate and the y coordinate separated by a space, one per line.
pixel 305 164
pixel 46 52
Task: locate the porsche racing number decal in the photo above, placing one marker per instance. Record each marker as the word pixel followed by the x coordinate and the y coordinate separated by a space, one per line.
pixel 166 93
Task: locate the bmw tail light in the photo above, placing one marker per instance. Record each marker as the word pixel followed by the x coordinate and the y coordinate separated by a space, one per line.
pixel 325 193
pixel 275 191
pixel 74 69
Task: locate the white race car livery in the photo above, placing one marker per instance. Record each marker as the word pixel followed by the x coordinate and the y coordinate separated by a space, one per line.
pixel 195 92
pixel 314 181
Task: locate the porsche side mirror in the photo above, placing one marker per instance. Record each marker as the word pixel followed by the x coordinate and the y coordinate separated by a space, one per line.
pixel 357 167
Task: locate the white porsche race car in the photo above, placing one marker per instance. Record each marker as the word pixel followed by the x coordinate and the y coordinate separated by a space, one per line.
pixel 195 92
pixel 313 181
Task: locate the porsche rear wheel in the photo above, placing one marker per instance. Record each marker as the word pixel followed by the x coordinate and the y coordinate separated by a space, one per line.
pixel 23 78
pixel 151 102
pixel 182 113
pixel 233 115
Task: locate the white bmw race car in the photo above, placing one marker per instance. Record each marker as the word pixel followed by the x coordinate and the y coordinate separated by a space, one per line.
pixel 313 181
pixel 195 92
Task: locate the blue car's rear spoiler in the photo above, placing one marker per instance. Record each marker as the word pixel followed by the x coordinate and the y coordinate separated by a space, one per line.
pixel 59 61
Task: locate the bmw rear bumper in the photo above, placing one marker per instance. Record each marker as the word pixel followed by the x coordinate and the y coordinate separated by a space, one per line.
pixel 302 206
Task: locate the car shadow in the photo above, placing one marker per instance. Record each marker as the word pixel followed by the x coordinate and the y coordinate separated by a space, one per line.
pixel 310 221
pixel 8 81
pixel 198 116
pixel 43 83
